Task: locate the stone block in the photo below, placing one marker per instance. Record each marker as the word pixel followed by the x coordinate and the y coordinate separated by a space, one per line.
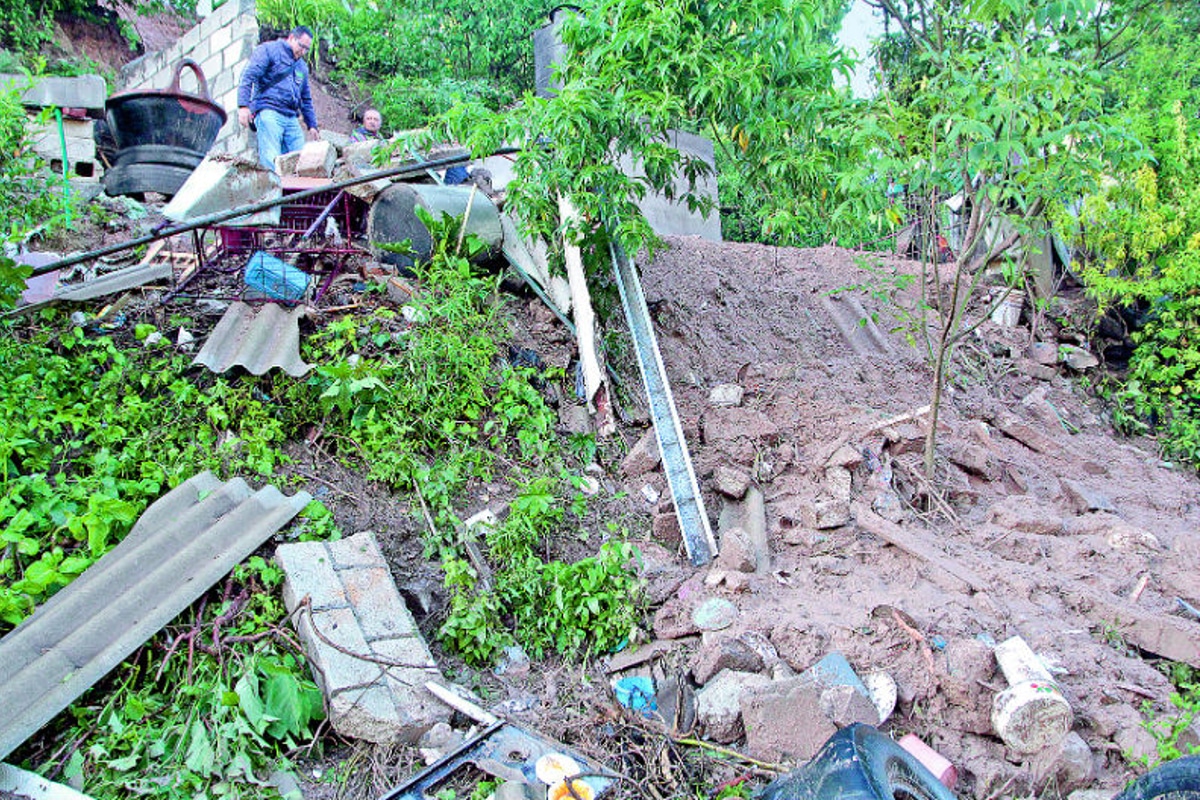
pixel 718 653
pixel 309 573
pixel 221 183
pixel 316 160
pixel 643 457
pixel 336 138
pixel 222 85
pixel 365 712
pixel 214 63
pixel 737 551
pixel 719 703
pixel 189 40
pixel 82 91
pixel 343 666
pixel 731 481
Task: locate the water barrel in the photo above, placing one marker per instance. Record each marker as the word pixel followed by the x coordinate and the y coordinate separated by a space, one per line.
pixel 393 218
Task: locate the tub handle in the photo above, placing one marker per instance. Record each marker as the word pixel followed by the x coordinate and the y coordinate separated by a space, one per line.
pixel 199 73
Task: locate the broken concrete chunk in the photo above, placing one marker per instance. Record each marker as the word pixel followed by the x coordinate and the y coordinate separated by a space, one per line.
pixel 285 163
pixel 1042 353
pixel 727 394
pixel 221 183
pixel 361 155
pixel 719 653
pixel 367 652
pixel 737 551
pixel 1084 498
pixel 825 513
pixel 719 704
pixel 1069 765
pixel 316 160
pixel 784 720
pixel 643 457
pixel 731 481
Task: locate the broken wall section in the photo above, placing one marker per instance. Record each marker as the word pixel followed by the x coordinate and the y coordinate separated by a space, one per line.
pixel 221 44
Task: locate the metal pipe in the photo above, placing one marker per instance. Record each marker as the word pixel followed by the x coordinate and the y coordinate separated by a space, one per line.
pixel 224 216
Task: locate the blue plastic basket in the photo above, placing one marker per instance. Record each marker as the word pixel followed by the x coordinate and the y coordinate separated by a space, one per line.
pixel 275 278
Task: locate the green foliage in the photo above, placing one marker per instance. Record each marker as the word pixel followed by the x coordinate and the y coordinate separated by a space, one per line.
pixel 1140 234
pixel 324 17
pixel 27 25
pixel 1167 727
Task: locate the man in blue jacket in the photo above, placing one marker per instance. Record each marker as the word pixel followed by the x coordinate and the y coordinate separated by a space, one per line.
pixel 274 94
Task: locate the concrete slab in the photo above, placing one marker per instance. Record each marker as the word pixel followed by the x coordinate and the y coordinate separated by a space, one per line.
pixel 368 655
pixel 81 91
pixel 221 183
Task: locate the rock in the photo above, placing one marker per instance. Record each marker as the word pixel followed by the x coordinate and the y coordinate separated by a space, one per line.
pixel 727 394
pixel 719 653
pixel 574 419
pixel 825 513
pixel 1034 370
pixel 719 707
pixel 221 183
pixel 714 614
pixel 665 529
pixel 643 457
pixel 845 456
pixel 1043 353
pixel 650 493
pixel 285 163
pixel 361 155
pixel 1136 744
pixel 838 482
pixel 184 337
pixel 969 663
pixel 784 720
pixel 153 339
pixel 1069 765
pixel 1123 536
pixel 674 620
pixel 734 424
pixel 974 459
pixel 737 551
pixel 798 647
pixel 316 160
pixel 1084 498
pixel 749 515
pixel 437 741
pixel 731 481
pixel 1090 794
pixel 1077 358
pixel 1026 514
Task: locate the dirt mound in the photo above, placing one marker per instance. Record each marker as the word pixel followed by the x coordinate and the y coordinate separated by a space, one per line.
pixel 1043 524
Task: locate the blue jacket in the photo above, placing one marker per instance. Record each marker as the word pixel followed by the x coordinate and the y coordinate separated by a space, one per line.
pixel 275 79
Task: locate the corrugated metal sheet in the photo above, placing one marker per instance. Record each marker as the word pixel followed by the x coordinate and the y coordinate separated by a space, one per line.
pixel 257 340
pixel 117 281
pixel 183 544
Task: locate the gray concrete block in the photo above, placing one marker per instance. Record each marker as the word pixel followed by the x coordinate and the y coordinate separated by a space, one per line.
pixel 413 653
pixel 359 550
pixel 189 40
pixel 213 64
pixel 349 664
pixel 316 160
pixel 381 612
pixel 220 38
pixel 82 91
pixel 365 712
pixel 310 573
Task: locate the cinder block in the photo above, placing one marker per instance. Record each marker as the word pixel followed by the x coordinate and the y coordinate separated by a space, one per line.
pixel 309 570
pixel 316 160
pixel 189 40
pixel 359 550
pixel 83 91
pixel 338 669
pixel 221 38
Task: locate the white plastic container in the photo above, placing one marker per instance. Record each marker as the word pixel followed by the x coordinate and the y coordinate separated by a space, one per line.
pixel 1031 714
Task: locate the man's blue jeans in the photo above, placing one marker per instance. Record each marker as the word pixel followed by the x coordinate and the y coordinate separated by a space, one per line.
pixel 276 133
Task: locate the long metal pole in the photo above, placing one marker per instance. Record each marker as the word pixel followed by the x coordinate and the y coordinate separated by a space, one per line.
pixel 224 216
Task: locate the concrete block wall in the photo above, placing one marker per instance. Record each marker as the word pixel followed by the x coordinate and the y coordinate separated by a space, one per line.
pixel 80 144
pixel 221 44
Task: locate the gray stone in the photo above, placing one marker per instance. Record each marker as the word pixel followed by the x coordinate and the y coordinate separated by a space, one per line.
pixel 316 160
pixel 718 653
pixel 285 163
pixel 731 481
pixel 359 550
pixel 643 456
pixel 221 183
pixel 974 459
pixel 1077 358
pixel 1084 498
pixel 1034 370
pixel 361 155
pixel 718 704
pixel 1043 353
pixel 82 91
pixel 714 614
pixel 727 394
pixel 784 720
pixel 750 515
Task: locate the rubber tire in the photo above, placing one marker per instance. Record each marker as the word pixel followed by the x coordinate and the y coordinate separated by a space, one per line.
pixel 859 763
pixel 1175 780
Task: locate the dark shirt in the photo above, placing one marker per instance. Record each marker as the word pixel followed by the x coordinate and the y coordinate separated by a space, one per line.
pixel 361 134
pixel 276 79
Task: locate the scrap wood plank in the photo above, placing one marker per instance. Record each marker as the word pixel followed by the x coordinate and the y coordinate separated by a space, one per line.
pixel 184 543
pixel 916 545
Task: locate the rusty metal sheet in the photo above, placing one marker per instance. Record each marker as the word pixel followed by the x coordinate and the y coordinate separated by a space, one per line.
pixel 184 543
pixel 258 340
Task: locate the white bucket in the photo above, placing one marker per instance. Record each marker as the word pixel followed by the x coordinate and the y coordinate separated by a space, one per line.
pixel 1008 312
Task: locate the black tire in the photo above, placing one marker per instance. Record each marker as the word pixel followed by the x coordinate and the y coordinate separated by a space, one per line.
pixel 859 763
pixel 1175 780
